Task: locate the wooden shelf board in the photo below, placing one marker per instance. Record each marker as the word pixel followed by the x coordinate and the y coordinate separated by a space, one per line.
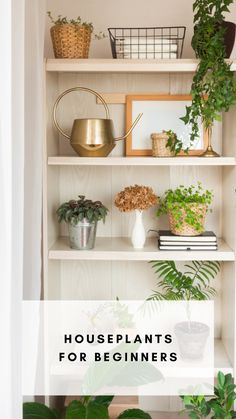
pixel 140 161
pixel 120 249
pixel 123 66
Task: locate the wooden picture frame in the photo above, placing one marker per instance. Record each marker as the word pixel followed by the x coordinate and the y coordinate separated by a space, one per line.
pixel 139 131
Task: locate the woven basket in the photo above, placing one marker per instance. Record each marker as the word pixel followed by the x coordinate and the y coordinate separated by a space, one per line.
pixel 159 148
pixel 186 229
pixel 71 41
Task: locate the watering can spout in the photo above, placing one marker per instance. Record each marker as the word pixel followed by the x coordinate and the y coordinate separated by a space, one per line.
pixel 131 128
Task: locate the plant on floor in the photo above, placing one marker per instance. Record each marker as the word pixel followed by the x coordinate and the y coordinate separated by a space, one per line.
pixel 214 88
pixel 186 206
pixel 75 211
pixel 87 407
pixel 192 284
pixel 221 406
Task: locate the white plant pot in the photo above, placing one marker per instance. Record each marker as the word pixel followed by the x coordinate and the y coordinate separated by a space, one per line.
pixel 138 237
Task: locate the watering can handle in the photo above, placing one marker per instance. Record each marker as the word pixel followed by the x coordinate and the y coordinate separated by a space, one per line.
pixel 73 89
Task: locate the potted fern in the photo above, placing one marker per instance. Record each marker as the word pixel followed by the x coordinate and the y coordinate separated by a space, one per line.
pixel 186 208
pixel 213 88
pixel 192 284
pixel 82 216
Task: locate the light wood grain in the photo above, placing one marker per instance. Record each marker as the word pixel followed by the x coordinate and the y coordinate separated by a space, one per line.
pixel 119 65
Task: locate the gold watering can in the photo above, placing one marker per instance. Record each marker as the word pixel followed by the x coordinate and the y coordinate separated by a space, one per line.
pixel 91 137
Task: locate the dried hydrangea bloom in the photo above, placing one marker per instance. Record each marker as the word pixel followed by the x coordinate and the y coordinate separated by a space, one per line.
pixel 137 197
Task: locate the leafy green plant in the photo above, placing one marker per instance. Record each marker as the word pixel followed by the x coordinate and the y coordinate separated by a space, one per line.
pixel 63 20
pixel 213 88
pixel 75 211
pixel 173 143
pixel 179 202
pixel 87 408
pixel 218 407
pixel 192 284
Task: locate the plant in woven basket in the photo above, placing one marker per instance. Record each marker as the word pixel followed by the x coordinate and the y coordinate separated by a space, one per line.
pixel 173 143
pixel 75 211
pixel 214 88
pixel 186 208
pixel 136 198
pixel 71 38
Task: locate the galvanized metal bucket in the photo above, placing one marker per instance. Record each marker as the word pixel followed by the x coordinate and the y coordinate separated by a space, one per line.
pixel 82 235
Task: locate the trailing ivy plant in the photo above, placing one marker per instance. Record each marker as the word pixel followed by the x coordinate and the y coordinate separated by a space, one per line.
pixel 173 143
pixel 87 408
pixel 221 406
pixel 192 284
pixel 214 88
pixel 178 201
pixel 75 211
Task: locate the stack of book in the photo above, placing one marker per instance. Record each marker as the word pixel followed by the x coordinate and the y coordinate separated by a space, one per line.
pixel 205 241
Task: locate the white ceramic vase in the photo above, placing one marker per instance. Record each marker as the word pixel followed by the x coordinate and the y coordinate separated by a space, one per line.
pixel 138 237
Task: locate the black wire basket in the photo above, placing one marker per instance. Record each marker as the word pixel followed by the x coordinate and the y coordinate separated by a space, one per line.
pixel 147 43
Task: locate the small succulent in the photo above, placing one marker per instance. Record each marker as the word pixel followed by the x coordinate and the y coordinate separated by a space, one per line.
pixel 75 211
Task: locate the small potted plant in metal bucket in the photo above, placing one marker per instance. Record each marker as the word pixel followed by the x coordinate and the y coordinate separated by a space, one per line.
pixel 82 216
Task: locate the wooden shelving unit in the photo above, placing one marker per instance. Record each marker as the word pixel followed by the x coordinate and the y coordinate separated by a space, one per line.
pixel 114 268
pixel 124 66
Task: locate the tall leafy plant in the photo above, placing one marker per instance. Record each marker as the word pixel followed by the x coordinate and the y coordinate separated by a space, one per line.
pixel 213 88
pixel 192 284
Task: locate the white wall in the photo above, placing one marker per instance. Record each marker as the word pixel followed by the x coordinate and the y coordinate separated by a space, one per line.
pixel 111 13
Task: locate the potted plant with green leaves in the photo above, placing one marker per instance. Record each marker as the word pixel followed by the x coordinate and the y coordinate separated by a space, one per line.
pixel 192 284
pixel 214 87
pixel 82 216
pixel 166 144
pixel 220 406
pixel 71 38
pixel 186 208
pixel 88 407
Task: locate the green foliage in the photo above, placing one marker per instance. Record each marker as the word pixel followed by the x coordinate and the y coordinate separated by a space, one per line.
pixel 76 211
pixel 213 88
pixel 173 143
pixel 87 408
pixel 193 284
pixel 134 414
pixel 63 20
pixel 178 202
pixel 218 407
pixel 38 411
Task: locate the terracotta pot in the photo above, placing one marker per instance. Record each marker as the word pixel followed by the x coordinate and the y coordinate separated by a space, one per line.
pixel 186 229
